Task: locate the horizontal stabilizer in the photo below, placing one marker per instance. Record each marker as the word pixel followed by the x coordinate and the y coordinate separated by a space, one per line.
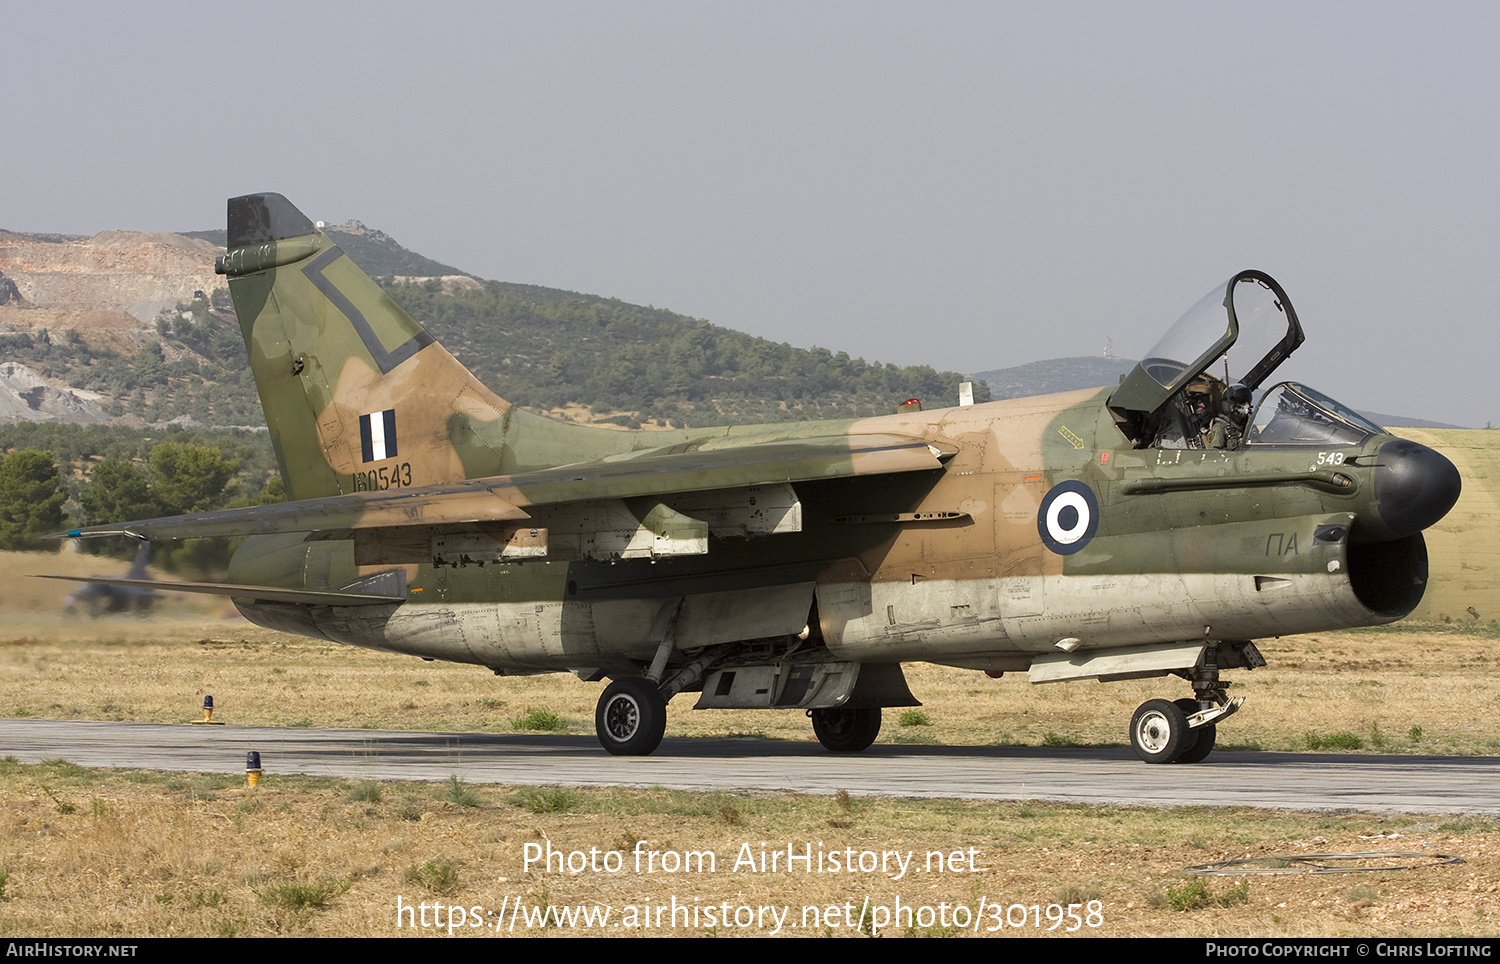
pixel 311 597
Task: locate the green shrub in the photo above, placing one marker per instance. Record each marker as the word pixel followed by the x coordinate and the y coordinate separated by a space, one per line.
pixel 297 897
pixel 544 721
pixel 546 799
pixel 460 794
pixel 438 876
pixel 365 791
pixel 1195 894
pixel 1342 740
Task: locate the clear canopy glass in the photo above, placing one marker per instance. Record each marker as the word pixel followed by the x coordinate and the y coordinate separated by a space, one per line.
pixel 1293 414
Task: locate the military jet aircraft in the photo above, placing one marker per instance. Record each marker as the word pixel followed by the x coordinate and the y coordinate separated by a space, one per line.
pixel 1153 528
pixel 101 595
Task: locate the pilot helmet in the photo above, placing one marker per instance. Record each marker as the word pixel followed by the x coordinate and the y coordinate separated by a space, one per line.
pixel 1237 401
pixel 1201 393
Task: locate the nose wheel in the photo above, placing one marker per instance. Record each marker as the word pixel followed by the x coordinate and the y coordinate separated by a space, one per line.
pixel 631 717
pixel 1203 736
pixel 1159 732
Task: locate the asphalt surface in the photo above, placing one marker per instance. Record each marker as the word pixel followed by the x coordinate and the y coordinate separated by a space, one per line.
pixel 1293 781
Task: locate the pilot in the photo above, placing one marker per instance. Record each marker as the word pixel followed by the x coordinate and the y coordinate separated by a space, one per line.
pixel 1201 395
pixel 1227 430
pixel 1183 422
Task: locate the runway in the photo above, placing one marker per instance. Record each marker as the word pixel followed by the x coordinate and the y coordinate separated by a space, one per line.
pixel 1295 781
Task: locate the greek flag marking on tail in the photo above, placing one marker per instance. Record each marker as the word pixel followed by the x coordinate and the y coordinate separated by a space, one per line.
pixel 377 435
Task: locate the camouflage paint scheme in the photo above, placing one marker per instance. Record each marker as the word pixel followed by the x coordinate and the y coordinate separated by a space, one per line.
pixel 792 565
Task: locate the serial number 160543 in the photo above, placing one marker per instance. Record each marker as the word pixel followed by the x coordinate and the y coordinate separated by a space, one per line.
pixel 386 477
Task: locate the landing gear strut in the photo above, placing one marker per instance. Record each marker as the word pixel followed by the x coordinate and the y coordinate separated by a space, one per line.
pixel 631 717
pixel 844 730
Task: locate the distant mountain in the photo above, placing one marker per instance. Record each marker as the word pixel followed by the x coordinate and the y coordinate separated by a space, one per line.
pixel 1055 375
pixel 143 324
pixel 140 327
pixel 375 251
pixel 1093 371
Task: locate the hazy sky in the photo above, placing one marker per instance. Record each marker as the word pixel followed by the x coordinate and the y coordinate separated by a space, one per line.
pixel 969 186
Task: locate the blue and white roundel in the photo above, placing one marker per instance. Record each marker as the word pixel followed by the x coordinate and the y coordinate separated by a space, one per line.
pixel 1068 518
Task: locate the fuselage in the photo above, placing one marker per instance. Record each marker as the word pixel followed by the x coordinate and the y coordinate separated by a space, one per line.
pixel 954 566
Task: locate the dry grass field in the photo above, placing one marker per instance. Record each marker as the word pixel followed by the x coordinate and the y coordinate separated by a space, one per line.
pixel 121 853
pixel 124 854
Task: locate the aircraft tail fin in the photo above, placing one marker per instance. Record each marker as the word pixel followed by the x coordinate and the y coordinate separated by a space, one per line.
pixel 357 395
pixel 142 558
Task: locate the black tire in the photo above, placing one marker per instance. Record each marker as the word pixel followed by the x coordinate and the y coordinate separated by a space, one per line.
pixel 844 730
pixel 631 717
pixel 1187 705
pixel 1158 731
pixel 1200 742
pixel 1202 746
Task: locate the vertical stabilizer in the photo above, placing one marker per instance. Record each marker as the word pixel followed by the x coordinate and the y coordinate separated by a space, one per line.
pixel 356 394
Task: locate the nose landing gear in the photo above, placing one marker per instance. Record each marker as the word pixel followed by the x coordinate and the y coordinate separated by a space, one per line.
pixel 1164 732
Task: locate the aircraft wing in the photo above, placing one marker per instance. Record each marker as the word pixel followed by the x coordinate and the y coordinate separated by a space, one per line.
pixel 429 505
pixel 518 498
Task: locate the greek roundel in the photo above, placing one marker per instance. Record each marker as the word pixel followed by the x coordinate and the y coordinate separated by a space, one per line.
pixel 1068 517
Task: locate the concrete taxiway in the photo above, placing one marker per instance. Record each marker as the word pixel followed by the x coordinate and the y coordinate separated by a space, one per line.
pixel 1294 781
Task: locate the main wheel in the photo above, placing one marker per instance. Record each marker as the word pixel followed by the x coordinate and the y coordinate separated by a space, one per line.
pixel 844 730
pixel 631 717
pixel 1158 731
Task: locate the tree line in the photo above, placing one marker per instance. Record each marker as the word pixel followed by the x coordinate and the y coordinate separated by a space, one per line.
pixel 105 475
pixel 545 348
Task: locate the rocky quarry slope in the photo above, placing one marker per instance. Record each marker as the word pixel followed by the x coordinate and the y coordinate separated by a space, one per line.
pixel 105 291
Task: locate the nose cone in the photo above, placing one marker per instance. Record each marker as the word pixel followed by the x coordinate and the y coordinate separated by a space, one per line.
pixel 1414 486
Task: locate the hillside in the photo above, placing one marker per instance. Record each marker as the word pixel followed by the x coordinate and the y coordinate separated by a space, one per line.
pixel 1054 375
pixel 138 327
pixel 135 328
pixel 1463 549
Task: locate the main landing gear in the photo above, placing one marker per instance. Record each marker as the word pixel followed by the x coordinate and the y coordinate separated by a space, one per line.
pixel 1159 732
pixel 631 716
pixel 844 730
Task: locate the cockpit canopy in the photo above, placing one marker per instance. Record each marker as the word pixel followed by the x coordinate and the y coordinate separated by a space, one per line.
pixel 1293 414
pixel 1238 333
